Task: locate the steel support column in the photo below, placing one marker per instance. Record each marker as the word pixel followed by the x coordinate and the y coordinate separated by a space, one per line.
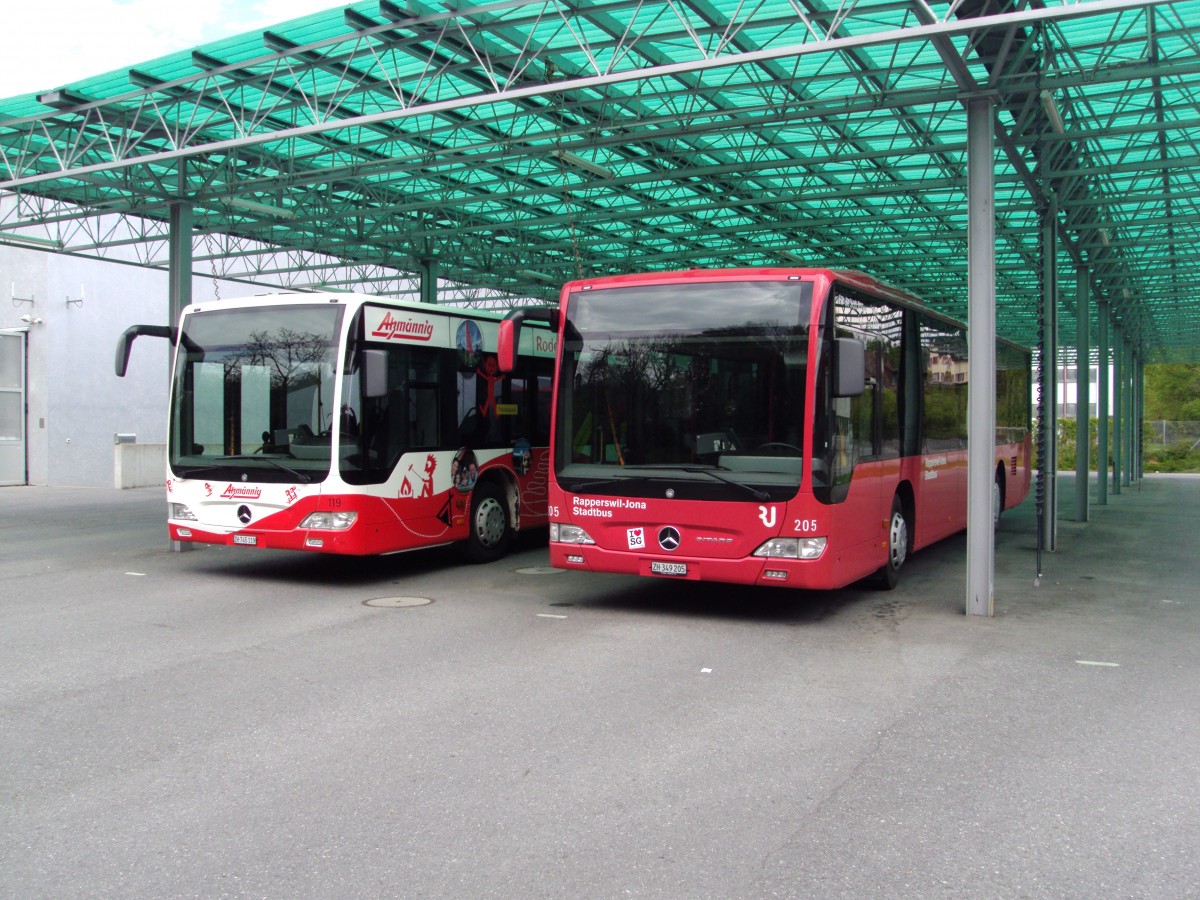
pixel 1140 389
pixel 179 281
pixel 1127 418
pixel 1048 467
pixel 1102 420
pixel 1131 471
pixel 429 276
pixel 1118 407
pixel 981 359
pixel 1083 357
pixel 179 260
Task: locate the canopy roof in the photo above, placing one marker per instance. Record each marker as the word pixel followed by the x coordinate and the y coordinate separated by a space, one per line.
pixel 521 144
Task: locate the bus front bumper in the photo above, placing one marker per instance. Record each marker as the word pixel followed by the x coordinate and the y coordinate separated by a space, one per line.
pixel 752 570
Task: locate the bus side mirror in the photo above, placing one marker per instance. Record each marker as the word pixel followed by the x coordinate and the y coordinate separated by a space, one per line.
pixel 850 368
pixel 374 373
pixel 125 342
pixel 508 343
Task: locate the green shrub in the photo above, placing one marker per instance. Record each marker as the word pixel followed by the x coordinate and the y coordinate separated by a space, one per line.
pixel 1177 458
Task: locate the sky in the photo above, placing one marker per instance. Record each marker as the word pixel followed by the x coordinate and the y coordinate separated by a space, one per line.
pixel 82 38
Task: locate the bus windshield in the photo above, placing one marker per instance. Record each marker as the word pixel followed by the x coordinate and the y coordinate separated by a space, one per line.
pixel 254 389
pixel 701 383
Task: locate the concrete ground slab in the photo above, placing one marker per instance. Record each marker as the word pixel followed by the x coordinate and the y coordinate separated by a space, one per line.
pixel 238 723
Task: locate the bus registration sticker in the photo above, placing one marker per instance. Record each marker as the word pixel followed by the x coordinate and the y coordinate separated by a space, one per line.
pixel 637 538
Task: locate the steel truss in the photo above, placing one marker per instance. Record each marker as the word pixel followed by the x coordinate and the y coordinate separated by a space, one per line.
pixel 524 143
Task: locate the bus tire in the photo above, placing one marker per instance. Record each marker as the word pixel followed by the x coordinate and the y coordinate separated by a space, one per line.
pixel 898 540
pixel 489 530
pixel 997 499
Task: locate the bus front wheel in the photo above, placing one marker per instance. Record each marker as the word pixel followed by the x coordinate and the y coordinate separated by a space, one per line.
pixel 489 531
pixel 888 574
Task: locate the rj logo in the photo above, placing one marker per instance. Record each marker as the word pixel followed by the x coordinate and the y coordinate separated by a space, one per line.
pixel 767 516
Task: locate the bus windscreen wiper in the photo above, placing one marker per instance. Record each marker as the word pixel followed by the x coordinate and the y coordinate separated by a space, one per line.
pixel 605 482
pixel 299 476
pixel 712 472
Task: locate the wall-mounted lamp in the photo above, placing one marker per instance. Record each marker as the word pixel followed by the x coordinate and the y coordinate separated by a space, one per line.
pixel 77 302
pixel 1052 113
pixel 31 320
pixel 17 301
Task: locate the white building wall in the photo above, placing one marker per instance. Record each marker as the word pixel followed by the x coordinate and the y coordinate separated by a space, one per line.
pixel 1068 391
pixel 23 276
pixel 74 399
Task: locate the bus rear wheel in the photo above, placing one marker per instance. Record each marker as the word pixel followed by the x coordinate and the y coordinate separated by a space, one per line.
pixel 489 531
pixel 888 575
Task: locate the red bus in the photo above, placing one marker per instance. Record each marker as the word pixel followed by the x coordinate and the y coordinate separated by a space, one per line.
pixel 348 424
pixel 790 427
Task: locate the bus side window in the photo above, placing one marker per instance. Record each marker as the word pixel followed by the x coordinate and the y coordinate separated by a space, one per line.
pixel 423 415
pixel 545 384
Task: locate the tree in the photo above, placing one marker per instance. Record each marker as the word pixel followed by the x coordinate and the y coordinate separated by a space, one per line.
pixel 1173 392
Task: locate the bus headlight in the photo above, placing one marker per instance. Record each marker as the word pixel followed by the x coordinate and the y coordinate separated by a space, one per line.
pixel 569 534
pixel 180 511
pixel 329 521
pixel 792 548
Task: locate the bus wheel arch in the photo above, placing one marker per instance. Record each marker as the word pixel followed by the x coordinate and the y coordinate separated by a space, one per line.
pixel 899 538
pixel 490 525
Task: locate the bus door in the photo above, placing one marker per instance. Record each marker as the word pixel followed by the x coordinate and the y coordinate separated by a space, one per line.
pixel 862 446
pixel 842 443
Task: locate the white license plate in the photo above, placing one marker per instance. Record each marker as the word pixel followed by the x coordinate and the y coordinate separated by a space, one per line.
pixel 248 539
pixel 668 568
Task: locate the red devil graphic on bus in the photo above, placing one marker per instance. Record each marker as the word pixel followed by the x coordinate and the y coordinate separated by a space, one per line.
pixel 426 480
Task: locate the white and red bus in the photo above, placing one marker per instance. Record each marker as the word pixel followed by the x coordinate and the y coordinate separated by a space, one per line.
pixel 791 427
pixel 353 425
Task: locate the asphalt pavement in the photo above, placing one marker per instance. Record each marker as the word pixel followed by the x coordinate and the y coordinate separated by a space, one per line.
pixel 241 723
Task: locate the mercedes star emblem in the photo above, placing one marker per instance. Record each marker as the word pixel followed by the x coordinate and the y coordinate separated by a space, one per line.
pixel 244 515
pixel 668 538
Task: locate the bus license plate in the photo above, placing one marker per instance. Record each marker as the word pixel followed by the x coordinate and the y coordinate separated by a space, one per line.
pixel 248 539
pixel 668 568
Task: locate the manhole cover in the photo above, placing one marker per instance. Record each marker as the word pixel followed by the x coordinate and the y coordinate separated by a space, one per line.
pixel 397 602
pixel 540 570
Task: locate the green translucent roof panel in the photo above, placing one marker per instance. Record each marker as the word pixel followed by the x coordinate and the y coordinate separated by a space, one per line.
pixel 522 144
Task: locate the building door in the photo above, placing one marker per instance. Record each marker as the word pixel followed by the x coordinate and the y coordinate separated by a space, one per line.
pixel 12 408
